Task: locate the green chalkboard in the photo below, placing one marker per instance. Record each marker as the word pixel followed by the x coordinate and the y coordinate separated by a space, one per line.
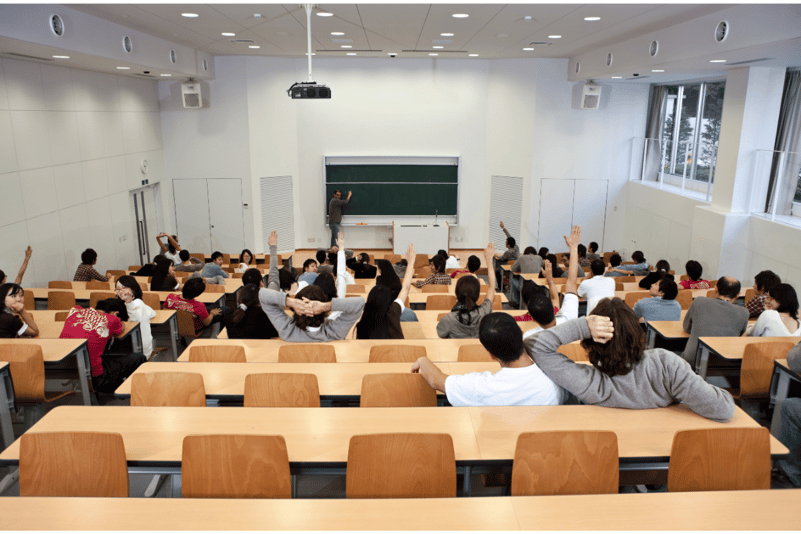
pixel 395 189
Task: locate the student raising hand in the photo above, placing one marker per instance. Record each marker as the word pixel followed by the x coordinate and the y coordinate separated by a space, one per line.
pixel 273 239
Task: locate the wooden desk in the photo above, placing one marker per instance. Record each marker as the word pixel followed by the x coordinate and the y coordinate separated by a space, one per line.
pixel 419 299
pixel 7 404
pixel 350 350
pixel 728 349
pixel 62 358
pixel 780 382
pixel 51 329
pixel 664 331
pixel 226 381
pixel 40 294
pixel 427 319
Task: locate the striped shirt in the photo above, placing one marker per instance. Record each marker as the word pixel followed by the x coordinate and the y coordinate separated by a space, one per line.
pixel 87 273
pixel 436 278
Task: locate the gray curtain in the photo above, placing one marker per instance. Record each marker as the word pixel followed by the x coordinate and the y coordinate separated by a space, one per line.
pixel 653 133
pixel 787 158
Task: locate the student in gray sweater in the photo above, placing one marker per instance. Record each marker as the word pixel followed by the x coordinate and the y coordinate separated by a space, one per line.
pixel 662 306
pixel 622 375
pixel 512 253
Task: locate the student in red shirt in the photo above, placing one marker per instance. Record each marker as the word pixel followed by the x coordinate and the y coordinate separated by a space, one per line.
pixel 694 271
pixel 192 289
pixel 98 326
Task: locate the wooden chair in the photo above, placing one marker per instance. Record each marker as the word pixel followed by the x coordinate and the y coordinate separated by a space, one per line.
pixel 483 289
pixel 393 258
pixel 633 297
pixel 217 354
pixel 30 301
pixel 712 293
pixel 282 390
pixel 388 390
pixel 102 286
pixel 685 299
pixel 575 352
pixel 72 464
pixel 749 293
pixel 719 459
pixel 441 315
pixel 496 302
pixel 152 300
pixel 97 296
pixel 356 288
pixel 625 279
pixel 435 288
pixel 421 260
pixel 461 275
pixel 59 284
pixel 61 316
pixel 714 283
pixel 60 300
pixel 199 255
pixel 422 272
pixel 186 325
pixel 134 268
pixel 402 465
pixel 565 463
pixel 182 275
pixel 229 269
pixel 440 302
pixel 757 368
pixel 116 273
pixel 473 353
pixel 306 353
pixel 237 275
pixel 215 288
pixel 167 389
pixel 227 258
pixel 396 353
pixel 26 364
pixel 235 467
pixel 619 286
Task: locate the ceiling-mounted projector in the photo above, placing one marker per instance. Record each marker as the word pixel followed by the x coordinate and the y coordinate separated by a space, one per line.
pixel 308 90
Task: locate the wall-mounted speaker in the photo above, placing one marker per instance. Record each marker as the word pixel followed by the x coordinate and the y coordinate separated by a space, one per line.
pixel 190 93
pixel 590 96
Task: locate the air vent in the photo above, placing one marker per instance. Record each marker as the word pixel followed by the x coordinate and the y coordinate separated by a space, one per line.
pixel 56 25
pixel 173 57
pixel 721 31
pixel 127 45
pixel 540 43
pixel 442 41
pixel 750 61
pixel 143 75
pixel 578 67
pixel 25 56
pixel 609 59
pixel 241 41
pixel 638 78
pixel 341 40
pixel 653 50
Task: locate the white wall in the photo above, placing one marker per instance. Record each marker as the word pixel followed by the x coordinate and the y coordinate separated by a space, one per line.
pixel 70 146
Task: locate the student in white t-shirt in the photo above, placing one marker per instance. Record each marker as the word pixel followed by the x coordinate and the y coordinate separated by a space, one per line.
pixel 597 287
pixel 520 382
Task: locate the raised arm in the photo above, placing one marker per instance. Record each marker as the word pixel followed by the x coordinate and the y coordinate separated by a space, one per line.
pixel 572 269
pixel 164 248
pixel 342 282
pixel 273 281
pixel 547 273
pixel 407 278
pixel 28 252
pixel 489 253
pixel 173 242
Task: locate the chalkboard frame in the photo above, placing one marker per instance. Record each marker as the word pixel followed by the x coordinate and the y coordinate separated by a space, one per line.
pixel 388 220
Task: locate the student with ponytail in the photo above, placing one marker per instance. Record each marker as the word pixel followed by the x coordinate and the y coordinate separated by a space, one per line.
pixel 248 320
pixel 462 322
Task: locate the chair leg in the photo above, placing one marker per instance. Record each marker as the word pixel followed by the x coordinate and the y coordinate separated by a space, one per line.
pixel 154 485
pixel 8 481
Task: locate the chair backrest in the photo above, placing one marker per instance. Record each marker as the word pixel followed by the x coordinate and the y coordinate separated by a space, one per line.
pixel 441 315
pixel 421 260
pixel 235 467
pixel 152 300
pixel 167 389
pixel 182 274
pixel 215 288
pixel 97 296
pixel 59 284
pixel 440 302
pixel 396 353
pixel 619 286
pixel 356 288
pixel 473 353
pixel 496 302
pixel 198 255
pixel 95 284
pixel 227 258
pixel 237 275
pixel 116 273
pixel 625 279
pixel 393 258
pixel 714 283
pixel 306 353
pixel 61 316
pixel 59 300
pixel 282 390
pixel 483 289
pixel 749 293
pixel 30 301
pixel 402 465
pixel 26 364
pixel 633 297
pixel 396 390
pixel 72 464
pixel 757 367
pixel 565 463
pixel 575 352
pixel 134 268
pixel 685 299
pixel 719 459
pixel 217 353
pixel 186 324
pixel 435 288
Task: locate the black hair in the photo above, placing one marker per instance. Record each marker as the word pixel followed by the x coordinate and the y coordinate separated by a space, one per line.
pixel 668 288
pixel 530 250
pixel 443 253
pixel 158 257
pixel 286 279
pixel 332 260
pixel 597 267
pixel 662 265
pixel 694 270
pixel 9 290
pixel 540 308
pixel 467 291
pixel 308 262
pixel 336 191
pixel 326 282
pixel 184 255
pixel 320 255
pixel 388 278
pixel 373 324
pixel 582 251
pixel 530 287
pixel 473 263
pixel 499 333
pixel 88 256
pixel 439 263
pixel 543 252
pixel 241 254
pixel 131 283
pixel 158 281
pixel 593 247
pixel 216 254
pixel 113 305
pixel 364 257
pixel 510 242
pixel 785 295
pixel 249 296
pixel 194 287
pixel 252 276
pixel 557 272
pixel 637 256
pixel 615 260
pixel 170 246
pixel 766 280
pixel 728 287
pixel 2 276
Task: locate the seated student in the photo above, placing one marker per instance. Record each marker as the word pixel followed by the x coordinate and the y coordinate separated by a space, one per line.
pixel 520 382
pixel 596 288
pixel 22 269
pixel 592 254
pixel 661 271
pixel 556 270
pixel 245 259
pixel 717 316
pixel 540 307
pixel 780 317
pixel 529 288
pixel 15 320
pixel 451 262
pixel 388 277
pixel 563 266
pixel 309 272
pixel 529 263
pixel 163 278
pixel 622 374
pixel 584 261
pixel 148 269
pixel 762 284
pixel 473 265
pixel 462 322
pixel 361 266
pixel 128 291
pixel 253 276
pixel 382 313
pixel 171 250
pixel 694 271
pixel 188 264
pixel 97 326
pixel 85 271
pixel 543 253
pixel 639 268
pixel 248 320
pixel 511 254
pixel 213 272
pixel 322 263
pixel 614 262
pixel 439 276
pixel 662 305
pixel 192 289
pixel 790 426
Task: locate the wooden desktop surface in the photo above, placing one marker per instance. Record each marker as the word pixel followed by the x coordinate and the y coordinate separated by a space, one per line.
pixel 84 294
pixel 162 316
pixel 732 348
pixel 53 349
pixel 711 510
pixel 52 329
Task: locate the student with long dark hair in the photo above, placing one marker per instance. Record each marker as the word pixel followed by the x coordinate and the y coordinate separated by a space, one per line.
pixel 248 320
pixel 662 270
pixel 780 317
pixel 15 321
pixel 163 278
pixel 382 312
pixel 462 322
pixel 128 290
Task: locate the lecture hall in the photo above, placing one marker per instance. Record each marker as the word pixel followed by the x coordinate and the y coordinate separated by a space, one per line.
pixel 329 266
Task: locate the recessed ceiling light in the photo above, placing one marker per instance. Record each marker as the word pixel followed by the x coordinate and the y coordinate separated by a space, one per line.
pixel 460 15
pixel 337 33
pixel 346 46
pixel 351 53
pixel 123 68
pixel 61 57
pixel 254 46
pixel 446 34
pixel 165 74
pixel 437 47
pixel 324 14
pixel 528 49
pixel 717 61
pixel 228 34
pixel 189 15
pixel 657 70
pixel 554 37
pixel 592 18
pixel 617 77
pixel 473 55
pixel 433 54
pixel 306 54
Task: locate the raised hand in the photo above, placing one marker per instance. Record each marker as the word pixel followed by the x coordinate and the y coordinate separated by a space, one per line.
pixel 489 253
pixel 574 239
pixel 547 270
pixel 601 328
pixel 28 252
pixel 273 239
pixel 411 254
pixel 341 241
pixel 502 226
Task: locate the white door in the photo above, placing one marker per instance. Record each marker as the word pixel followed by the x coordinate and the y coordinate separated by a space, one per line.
pixel 225 215
pixel 589 210
pixel 191 199
pixel 556 213
pixel 147 220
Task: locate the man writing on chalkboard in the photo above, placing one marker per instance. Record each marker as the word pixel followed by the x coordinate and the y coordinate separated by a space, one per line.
pixel 335 214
